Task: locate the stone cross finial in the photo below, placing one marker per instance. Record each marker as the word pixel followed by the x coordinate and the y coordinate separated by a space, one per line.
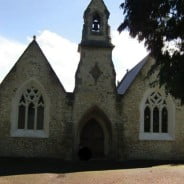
pixel 34 37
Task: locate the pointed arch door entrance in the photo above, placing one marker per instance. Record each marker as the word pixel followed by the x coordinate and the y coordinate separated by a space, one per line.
pixel 92 138
pixel 94 131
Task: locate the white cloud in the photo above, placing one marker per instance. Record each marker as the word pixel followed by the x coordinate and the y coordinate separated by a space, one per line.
pixel 60 52
pixel 10 51
pixel 127 53
pixel 62 55
pixel 64 58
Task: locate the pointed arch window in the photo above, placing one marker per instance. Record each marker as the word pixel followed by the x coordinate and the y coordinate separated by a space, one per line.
pixel 155 114
pixel 157 117
pixel 164 120
pixel 147 118
pixel 31 110
pixel 30 113
pixel 96 24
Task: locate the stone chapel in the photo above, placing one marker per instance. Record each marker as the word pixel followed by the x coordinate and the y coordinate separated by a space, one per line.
pixel 133 120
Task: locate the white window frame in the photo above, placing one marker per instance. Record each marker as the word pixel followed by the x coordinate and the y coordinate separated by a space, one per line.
pixel 170 135
pixel 15 132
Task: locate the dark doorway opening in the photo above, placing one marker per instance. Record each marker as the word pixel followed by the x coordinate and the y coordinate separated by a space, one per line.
pixel 84 153
pixel 92 141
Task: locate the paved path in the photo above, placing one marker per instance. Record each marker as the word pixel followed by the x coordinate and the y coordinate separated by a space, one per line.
pixel 165 174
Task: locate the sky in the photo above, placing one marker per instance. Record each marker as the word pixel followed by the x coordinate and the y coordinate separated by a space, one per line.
pixel 57 25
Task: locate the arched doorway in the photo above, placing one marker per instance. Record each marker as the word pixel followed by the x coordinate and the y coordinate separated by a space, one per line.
pixel 94 130
pixel 92 138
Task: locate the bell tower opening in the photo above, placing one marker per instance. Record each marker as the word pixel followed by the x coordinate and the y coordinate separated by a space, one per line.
pixel 96 30
pixel 96 24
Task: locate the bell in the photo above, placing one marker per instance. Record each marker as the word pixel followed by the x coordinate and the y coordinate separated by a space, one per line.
pixel 96 26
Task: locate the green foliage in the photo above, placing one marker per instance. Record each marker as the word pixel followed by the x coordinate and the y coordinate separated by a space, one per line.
pixel 160 24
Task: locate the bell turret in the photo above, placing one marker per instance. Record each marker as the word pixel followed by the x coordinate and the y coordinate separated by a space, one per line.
pixel 96 31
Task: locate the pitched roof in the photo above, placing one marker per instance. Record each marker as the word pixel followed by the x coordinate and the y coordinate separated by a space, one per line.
pixel 33 50
pixel 130 77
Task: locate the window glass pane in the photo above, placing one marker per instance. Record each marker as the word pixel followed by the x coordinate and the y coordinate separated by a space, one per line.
pixel 147 118
pixel 31 110
pixel 155 120
pixel 164 120
pixel 21 117
pixel 22 100
pixel 31 115
pixel 40 118
pixel 41 102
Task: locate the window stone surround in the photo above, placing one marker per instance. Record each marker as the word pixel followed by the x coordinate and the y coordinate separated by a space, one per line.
pixel 15 132
pixel 170 135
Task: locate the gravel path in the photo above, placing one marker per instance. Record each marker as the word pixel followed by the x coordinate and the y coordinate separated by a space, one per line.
pixel 164 174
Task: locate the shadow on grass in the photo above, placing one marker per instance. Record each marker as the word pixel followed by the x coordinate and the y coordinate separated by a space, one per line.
pixel 16 166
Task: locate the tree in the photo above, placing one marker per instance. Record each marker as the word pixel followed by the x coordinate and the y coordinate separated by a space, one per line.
pixel 160 24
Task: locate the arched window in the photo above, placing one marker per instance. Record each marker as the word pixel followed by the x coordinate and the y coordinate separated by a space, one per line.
pixel 147 119
pixel 96 24
pixel 155 113
pixel 156 123
pixel 164 120
pixel 157 117
pixel 30 111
